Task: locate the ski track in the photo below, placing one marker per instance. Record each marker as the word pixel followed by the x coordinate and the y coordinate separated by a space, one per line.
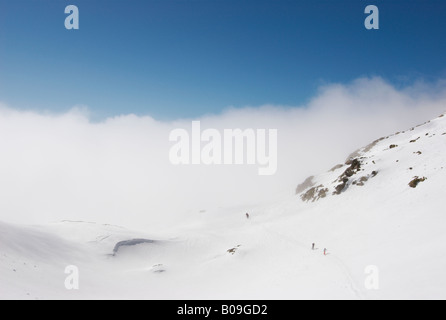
pixel 336 262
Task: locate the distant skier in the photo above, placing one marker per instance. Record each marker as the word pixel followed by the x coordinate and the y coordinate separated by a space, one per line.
pixel 313 246
pixel 325 252
pixel 247 215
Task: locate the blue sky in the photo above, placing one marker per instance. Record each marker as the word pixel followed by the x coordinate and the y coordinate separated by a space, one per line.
pixel 185 58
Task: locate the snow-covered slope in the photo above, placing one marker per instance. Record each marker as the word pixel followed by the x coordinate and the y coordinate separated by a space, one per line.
pixel 382 208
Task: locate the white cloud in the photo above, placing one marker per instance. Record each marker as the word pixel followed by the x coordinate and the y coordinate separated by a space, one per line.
pixel 56 167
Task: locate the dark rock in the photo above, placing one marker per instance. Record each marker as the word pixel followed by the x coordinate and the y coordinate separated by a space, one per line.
pixel 315 194
pixel 355 166
pixel 341 187
pixel 416 181
pixel 353 169
pixel 361 181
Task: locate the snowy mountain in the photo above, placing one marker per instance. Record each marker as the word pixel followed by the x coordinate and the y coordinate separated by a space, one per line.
pixel 379 215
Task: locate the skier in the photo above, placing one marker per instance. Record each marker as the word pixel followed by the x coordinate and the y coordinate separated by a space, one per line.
pixel 325 252
pixel 312 248
pixel 247 215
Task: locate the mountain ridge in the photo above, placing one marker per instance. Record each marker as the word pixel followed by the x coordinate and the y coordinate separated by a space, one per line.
pixel 361 165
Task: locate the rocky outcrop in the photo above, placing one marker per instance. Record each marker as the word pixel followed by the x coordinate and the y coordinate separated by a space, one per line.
pixel 308 183
pixel 315 194
pixel 309 192
pixel 416 181
pixel 355 166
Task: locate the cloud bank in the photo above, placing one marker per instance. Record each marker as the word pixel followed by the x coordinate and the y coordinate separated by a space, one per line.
pixel 65 167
